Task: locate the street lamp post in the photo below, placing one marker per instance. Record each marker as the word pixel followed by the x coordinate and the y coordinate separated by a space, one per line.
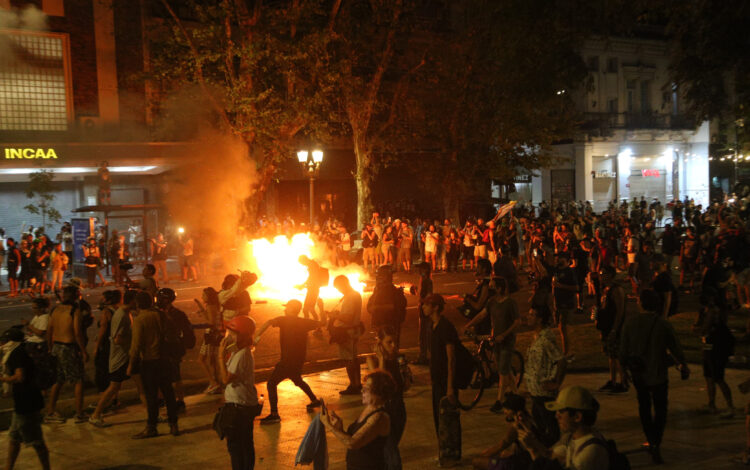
pixel 311 166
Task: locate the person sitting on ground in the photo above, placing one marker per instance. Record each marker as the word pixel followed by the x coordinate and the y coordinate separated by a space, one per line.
pixel 509 453
pixel 293 345
pixel 581 446
pixel 17 372
pixel 365 439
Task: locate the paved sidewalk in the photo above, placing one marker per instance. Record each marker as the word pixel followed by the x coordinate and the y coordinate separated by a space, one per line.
pixel 693 440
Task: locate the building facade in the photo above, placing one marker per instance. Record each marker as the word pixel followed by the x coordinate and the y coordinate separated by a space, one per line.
pixel 634 141
pixel 69 103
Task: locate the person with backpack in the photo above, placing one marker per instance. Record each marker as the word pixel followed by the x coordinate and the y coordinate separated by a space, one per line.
pixel 424 290
pixel 149 350
pixel 317 277
pixel 293 346
pixel 648 344
pixel 178 323
pixel 387 304
pixel 581 447
pixel 65 340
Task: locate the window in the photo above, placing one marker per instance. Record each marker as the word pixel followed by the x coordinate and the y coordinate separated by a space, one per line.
pixel 593 63
pixel 612 65
pixel 631 89
pixel 612 106
pixel 33 82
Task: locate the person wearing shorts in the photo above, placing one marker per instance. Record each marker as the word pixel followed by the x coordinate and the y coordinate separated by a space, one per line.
pixel 26 420
pixel 120 334
pixel 65 333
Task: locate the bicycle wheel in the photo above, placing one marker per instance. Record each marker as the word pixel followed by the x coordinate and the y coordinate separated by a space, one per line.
pixel 517 367
pixel 468 398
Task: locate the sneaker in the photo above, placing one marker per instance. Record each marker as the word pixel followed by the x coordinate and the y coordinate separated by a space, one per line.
pixel 497 408
pixel 272 418
pixel 729 414
pixel 54 418
pixel 174 430
pixel 147 433
pixel 98 422
pixel 656 455
pixel 351 391
pixel 314 404
pixel 607 386
pixel 619 388
pixel 81 418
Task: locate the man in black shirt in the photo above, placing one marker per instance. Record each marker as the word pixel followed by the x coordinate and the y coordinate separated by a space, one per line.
pixel 387 305
pixel 184 330
pixel 664 287
pixel 293 339
pixel 26 422
pixel 442 358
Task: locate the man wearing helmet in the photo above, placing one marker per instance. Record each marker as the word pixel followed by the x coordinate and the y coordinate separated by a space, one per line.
pixel 177 319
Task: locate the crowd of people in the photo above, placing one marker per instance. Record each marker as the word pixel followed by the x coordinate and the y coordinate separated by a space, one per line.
pixel 617 263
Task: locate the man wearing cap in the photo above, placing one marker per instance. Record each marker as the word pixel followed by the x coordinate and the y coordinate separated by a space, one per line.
pixel 581 447
pixel 648 341
pixel 26 421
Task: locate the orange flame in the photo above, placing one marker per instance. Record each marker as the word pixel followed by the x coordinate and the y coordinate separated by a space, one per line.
pixel 280 273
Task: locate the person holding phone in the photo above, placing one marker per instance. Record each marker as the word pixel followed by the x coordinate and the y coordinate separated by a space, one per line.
pixel 365 439
pixel 509 451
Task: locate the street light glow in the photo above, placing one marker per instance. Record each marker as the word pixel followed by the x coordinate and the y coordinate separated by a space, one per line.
pixel 302 156
pixel 317 156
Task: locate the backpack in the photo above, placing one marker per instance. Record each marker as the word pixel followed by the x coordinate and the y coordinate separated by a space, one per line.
pixel 324 276
pixel 170 344
pixel 617 460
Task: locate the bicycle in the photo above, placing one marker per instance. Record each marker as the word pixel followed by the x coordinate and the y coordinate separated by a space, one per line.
pixel 485 373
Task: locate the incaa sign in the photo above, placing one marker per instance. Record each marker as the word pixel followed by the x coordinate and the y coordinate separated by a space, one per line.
pixel 30 154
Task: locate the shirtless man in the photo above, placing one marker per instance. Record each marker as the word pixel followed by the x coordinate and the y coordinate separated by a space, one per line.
pixel 65 340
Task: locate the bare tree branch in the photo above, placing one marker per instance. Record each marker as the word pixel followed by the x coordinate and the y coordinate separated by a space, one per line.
pixel 332 18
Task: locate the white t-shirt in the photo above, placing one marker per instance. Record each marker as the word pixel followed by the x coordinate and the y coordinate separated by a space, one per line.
pixel 39 322
pixel 592 457
pixel 242 390
pixel 430 242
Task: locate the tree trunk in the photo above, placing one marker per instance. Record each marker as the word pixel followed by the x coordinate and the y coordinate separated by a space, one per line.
pixel 364 177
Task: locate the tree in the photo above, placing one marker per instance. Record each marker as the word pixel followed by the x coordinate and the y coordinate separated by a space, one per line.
pixel 366 39
pixel 496 95
pixel 710 65
pixel 41 189
pixel 258 70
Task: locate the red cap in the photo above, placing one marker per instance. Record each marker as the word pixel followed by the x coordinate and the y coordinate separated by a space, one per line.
pixel 242 325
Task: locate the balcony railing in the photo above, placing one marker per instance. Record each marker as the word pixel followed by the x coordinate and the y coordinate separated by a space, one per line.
pixel 604 121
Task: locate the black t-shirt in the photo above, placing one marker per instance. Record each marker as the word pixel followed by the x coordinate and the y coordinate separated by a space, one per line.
pixel 662 285
pixel 293 338
pixel 565 298
pixel 443 333
pixel 27 398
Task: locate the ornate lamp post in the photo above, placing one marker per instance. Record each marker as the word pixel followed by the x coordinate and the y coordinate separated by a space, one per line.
pixel 311 166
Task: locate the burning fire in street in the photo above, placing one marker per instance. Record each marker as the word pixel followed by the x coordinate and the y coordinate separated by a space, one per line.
pixel 280 273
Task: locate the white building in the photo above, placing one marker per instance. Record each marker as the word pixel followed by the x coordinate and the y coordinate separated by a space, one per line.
pixel 634 141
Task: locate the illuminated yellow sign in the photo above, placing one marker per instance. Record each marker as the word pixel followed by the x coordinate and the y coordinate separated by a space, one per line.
pixel 30 154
